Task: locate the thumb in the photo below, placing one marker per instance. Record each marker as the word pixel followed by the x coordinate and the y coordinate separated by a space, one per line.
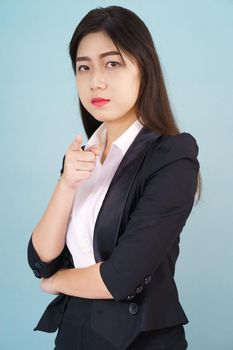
pixel 77 143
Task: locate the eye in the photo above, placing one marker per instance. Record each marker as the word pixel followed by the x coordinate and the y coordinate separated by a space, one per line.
pixel 83 68
pixel 113 64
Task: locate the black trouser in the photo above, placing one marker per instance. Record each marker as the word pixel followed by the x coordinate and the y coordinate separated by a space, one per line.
pixel 75 333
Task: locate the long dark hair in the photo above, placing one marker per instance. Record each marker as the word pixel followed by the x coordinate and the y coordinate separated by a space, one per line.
pixel 130 35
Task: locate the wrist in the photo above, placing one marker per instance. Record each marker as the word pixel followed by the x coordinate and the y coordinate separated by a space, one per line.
pixel 64 186
pixel 57 280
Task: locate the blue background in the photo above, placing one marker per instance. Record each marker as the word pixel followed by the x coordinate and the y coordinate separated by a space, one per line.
pixel 39 119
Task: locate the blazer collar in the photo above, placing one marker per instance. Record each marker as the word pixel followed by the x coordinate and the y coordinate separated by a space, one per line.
pixel 108 221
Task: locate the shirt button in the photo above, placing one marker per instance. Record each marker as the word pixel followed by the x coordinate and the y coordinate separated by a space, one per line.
pixel 133 308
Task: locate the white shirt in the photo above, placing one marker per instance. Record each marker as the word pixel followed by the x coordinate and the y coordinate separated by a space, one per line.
pixel 90 194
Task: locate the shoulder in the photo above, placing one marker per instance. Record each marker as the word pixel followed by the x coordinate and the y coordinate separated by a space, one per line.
pixel 169 148
pixel 180 145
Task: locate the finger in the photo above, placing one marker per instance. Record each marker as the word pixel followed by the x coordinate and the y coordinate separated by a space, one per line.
pixel 77 143
pixel 95 149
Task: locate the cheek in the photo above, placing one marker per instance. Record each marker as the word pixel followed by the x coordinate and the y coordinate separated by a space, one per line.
pixel 81 90
pixel 129 88
pixel 78 85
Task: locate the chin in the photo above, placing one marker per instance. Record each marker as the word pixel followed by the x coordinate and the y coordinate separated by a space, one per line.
pixel 103 118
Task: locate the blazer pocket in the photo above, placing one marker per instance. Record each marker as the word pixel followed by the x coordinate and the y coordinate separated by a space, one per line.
pixel 117 322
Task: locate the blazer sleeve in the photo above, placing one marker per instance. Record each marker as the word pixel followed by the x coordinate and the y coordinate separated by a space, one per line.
pixel 156 221
pixel 46 269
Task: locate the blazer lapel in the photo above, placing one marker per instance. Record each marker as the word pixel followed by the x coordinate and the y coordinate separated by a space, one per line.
pixel 109 218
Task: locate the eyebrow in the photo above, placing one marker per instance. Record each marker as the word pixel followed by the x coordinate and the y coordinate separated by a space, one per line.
pixel 104 54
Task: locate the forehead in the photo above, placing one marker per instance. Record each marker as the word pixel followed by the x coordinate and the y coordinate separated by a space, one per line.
pixel 94 43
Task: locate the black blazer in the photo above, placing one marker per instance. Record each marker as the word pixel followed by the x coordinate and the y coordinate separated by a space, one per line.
pixel 136 235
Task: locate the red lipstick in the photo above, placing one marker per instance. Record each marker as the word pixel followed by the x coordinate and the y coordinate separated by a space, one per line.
pixel 99 101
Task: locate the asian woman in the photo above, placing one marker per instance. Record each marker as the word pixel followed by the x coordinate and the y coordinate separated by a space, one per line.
pixel 108 241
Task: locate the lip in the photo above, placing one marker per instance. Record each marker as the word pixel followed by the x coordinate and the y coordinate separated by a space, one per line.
pixel 99 101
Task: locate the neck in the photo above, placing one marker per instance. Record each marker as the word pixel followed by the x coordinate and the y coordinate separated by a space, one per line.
pixel 116 128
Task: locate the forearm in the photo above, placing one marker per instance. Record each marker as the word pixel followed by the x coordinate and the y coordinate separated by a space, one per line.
pixel 83 282
pixel 49 235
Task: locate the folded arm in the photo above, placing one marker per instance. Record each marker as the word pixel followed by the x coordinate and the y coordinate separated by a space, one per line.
pixel 153 227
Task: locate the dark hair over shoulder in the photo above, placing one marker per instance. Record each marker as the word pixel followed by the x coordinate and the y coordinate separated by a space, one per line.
pixel 131 36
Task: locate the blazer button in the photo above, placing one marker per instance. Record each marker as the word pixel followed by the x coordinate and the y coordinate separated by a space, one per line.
pixel 37 273
pixel 38 265
pixel 133 308
pixel 130 296
pixel 147 279
pixel 139 288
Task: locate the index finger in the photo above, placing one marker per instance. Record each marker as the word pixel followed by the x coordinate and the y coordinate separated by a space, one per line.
pixel 77 143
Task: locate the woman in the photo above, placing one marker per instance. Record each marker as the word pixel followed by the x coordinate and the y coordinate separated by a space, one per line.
pixel 109 239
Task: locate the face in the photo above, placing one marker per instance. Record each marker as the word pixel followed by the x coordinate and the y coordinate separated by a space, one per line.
pixel 102 73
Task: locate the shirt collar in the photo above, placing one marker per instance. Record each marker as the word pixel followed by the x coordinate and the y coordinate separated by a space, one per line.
pixel 122 142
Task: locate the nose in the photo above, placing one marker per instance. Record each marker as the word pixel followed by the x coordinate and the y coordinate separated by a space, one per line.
pixel 97 81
